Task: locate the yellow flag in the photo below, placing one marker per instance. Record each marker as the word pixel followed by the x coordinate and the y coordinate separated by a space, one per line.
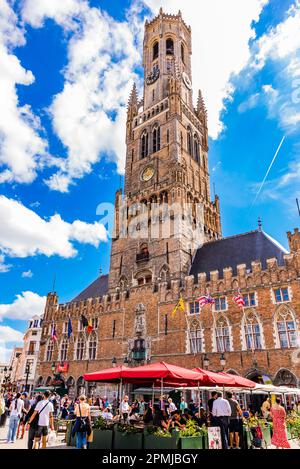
pixel 180 305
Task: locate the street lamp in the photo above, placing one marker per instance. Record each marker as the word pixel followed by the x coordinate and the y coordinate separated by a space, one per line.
pixel 53 366
pixel 126 361
pixel 114 362
pixel 223 361
pixel 206 361
pixel 27 373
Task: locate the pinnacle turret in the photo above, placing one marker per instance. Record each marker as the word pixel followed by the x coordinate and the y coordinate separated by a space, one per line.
pixel 133 98
pixel 201 108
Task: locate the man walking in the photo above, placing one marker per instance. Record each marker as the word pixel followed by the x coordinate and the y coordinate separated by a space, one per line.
pixel 44 409
pixel 234 422
pixel 221 412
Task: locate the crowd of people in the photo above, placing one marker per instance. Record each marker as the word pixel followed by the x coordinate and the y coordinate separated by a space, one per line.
pixel 37 414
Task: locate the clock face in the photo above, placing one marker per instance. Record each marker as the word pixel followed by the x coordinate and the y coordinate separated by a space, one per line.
pixel 153 76
pixel 147 174
pixel 187 81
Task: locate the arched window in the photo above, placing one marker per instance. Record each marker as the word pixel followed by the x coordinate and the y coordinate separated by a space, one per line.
pixel 170 46
pixel 155 50
pixel 286 329
pixel 156 139
pixel 252 332
pixel 222 335
pixel 189 142
pixel 50 350
pixel 182 53
pixel 64 350
pixel 196 149
pixel 80 349
pixel 144 145
pixel 93 346
pixel 195 338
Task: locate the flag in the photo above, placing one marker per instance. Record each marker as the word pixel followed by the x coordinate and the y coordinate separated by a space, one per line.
pixel 180 305
pixel 70 330
pixel 53 333
pixel 90 326
pixel 206 300
pixel 84 321
pixel 239 300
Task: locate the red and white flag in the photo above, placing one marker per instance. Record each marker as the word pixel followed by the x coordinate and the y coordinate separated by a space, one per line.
pixel 205 300
pixel 53 333
pixel 239 300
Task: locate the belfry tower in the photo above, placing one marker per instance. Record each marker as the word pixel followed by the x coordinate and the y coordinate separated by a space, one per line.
pixel 166 164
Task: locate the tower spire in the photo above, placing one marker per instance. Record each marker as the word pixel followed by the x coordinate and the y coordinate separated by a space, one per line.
pixel 133 98
pixel 201 108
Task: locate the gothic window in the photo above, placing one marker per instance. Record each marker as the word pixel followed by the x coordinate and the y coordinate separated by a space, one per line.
pixel 49 351
pixel 80 349
pixel 64 350
pixel 250 300
pixel 196 149
pixel 282 295
pixel 170 46
pixel 182 53
pixel 220 303
pixel 195 338
pixel 252 332
pixel 156 139
pixel 222 335
pixel 144 145
pixel 189 142
pixel 92 346
pixel 286 329
pixel 195 307
pixel 155 50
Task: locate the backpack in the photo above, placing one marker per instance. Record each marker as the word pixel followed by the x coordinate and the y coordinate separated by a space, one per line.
pixel 83 425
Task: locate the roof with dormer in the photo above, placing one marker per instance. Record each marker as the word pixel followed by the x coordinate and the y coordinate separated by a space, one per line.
pixel 236 250
pixel 96 289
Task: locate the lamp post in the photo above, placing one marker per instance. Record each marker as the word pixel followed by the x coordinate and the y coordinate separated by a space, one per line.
pixel 27 373
pixel 114 362
pixel 7 376
pixel 223 361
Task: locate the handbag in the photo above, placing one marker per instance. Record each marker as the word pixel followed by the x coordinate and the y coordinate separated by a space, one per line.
pixel 83 425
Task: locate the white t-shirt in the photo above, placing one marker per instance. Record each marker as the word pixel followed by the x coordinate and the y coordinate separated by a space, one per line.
pixel 172 407
pixel 107 415
pixel 44 415
pixel 16 411
pixel 125 407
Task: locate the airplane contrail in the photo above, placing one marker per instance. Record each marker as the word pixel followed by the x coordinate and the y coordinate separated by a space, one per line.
pixel 267 174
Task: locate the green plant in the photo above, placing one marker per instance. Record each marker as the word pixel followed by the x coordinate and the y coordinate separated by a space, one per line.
pixel 102 424
pixel 162 433
pixel 293 424
pixel 128 429
pixel 191 429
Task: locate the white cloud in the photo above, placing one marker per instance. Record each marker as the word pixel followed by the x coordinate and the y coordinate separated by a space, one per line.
pixel 25 306
pixel 281 46
pixel 221 34
pixel 27 274
pixel 3 267
pixel 25 233
pixel 89 115
pixel 8 335
pixel 21 143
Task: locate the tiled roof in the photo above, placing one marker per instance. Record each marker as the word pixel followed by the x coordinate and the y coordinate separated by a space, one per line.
pixel 236 250
pixel 98 288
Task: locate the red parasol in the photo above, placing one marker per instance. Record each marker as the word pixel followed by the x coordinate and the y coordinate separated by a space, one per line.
pixel 111 375
pixel 240 382
pixel 215 379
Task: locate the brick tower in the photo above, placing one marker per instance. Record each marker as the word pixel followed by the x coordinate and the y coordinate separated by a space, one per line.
pixel 166 166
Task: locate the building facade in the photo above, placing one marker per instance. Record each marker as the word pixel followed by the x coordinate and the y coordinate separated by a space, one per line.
pixel 30 353
pixel 15 368
pixel 168 243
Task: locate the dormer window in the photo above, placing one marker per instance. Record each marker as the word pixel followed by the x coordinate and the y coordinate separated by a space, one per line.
pixel 169 46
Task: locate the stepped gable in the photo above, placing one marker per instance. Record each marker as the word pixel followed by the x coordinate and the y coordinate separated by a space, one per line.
pixel 96 289
pixel 236 250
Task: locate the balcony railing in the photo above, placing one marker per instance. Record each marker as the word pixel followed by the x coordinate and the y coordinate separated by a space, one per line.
pixel 142 257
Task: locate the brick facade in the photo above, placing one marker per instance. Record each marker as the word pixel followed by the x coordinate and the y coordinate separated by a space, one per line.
pixel 148 275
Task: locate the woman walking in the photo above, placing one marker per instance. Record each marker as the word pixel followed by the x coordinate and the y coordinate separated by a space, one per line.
pixel 82 427
pixel 15 408
pixel 278 415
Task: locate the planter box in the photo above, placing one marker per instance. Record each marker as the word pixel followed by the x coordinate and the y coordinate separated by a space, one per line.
pixel 191 442
pixel 266 431
pixel 102 439
pixel 123 441
pixel 160 442
pixel 69 438
pixel 205 442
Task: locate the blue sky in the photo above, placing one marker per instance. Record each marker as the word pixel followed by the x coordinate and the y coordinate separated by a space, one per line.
pixel 68 70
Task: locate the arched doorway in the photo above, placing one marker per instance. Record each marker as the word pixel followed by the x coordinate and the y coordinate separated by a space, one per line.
pixel 40 382
pixel 285 377
pixel 70 384
pixel 80 386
